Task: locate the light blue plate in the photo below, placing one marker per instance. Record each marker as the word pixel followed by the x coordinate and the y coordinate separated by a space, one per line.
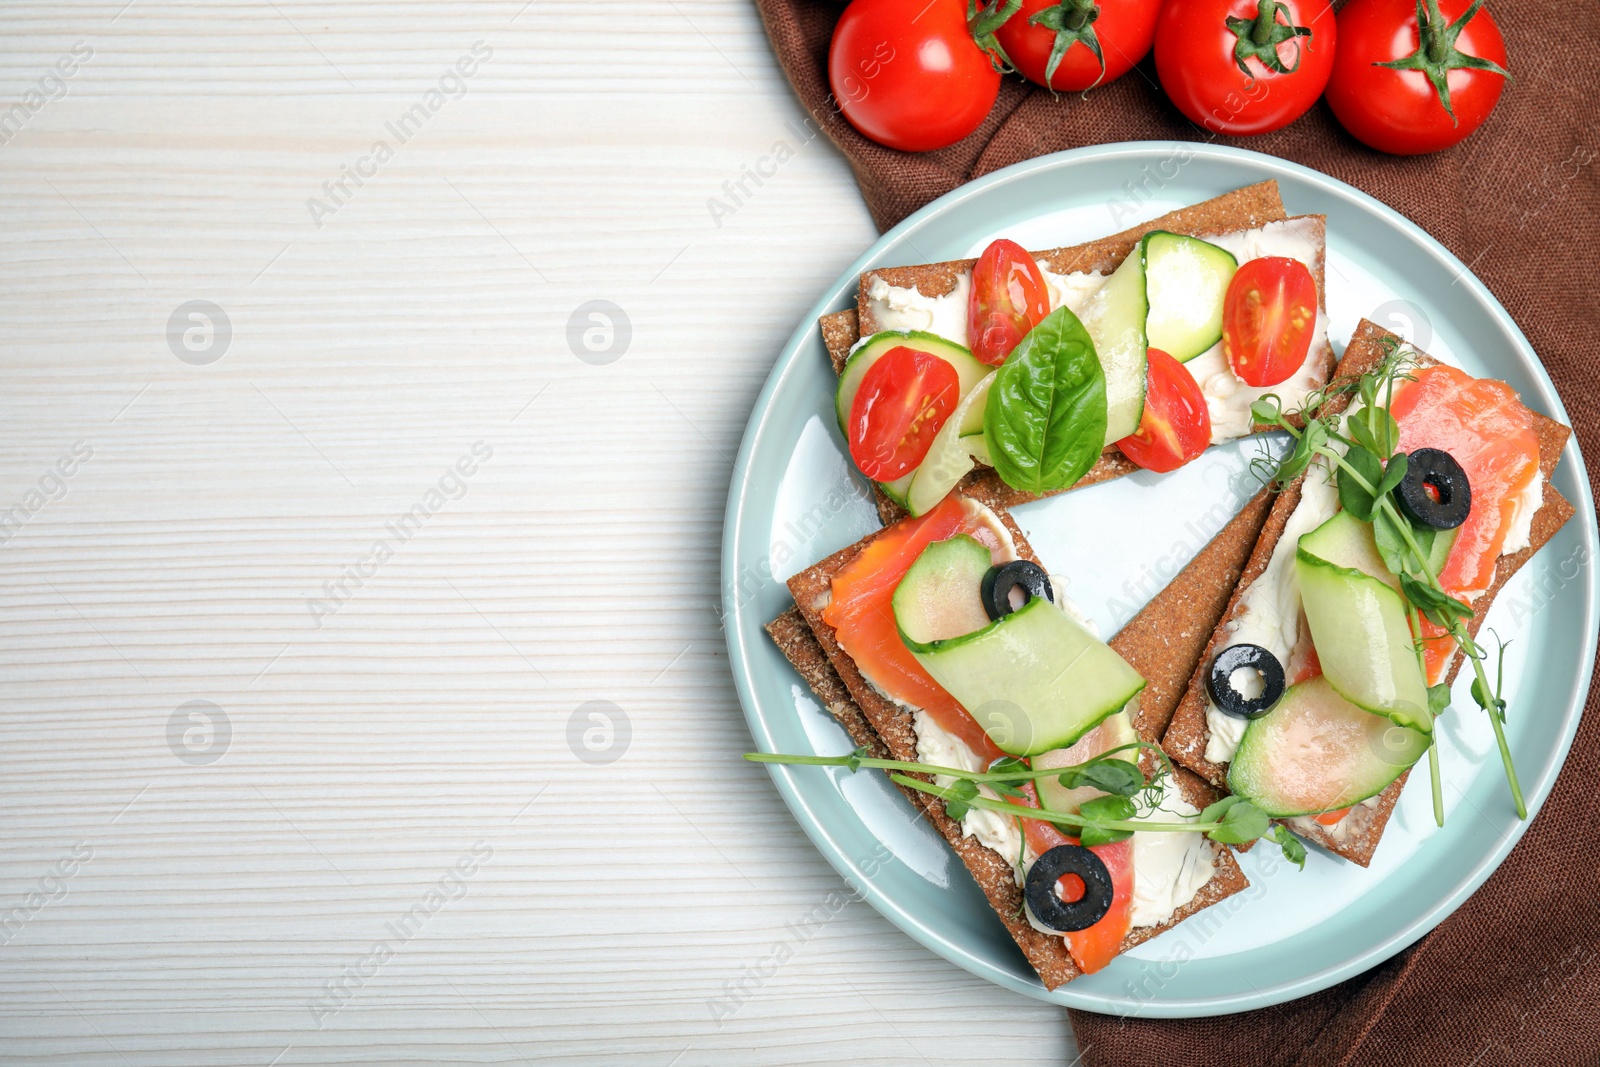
pixel 794 500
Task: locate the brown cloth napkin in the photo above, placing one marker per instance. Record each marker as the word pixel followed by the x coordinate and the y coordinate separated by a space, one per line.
pixel 1511 977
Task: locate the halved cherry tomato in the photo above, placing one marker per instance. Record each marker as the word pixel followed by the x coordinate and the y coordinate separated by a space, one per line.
pixel 1268 317
pixel 1008 299
pixel 1176 424
pixel 903 400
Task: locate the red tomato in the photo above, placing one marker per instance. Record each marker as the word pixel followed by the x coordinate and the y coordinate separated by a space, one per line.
pixel 903 400
pixel 1070 45
pixel 1244 66
pixel 908 74
pixel 1268 317
pixel 1176 424
pixel 1008 299
pixel 1400 110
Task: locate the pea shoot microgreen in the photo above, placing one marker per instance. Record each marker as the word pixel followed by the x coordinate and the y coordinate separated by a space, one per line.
pixel 1361 449
pixel 1108 818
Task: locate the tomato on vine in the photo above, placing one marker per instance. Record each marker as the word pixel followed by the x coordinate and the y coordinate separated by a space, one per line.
pixel 1245 66
pixel 1415 76
pixel 917 74
pixel 1071 45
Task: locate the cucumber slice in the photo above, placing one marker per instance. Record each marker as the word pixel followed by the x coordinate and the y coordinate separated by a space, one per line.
pixel 1185 280
pixel 1035 679
pixel 977 445
pixel 1346 541
pixel 968 370
pixel 1315 751
pixel 1116 731
pixel 970 415
pixel 1115 321
pixel 1358 622
pixel 940 596
pixel 897 489
pixel 949 458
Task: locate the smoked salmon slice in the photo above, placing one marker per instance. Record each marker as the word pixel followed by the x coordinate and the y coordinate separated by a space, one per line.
pixel 862 615
pixel 861 612
pixel 1098 945
pixel 1483 425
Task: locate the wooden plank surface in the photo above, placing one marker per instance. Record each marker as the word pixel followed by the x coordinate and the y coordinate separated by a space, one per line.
pixel 288 781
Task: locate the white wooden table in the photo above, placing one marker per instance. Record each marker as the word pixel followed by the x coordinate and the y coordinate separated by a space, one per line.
pixel 288 779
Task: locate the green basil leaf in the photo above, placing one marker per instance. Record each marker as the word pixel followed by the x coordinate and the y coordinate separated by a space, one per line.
pixel 1045 419
pixel 1354 497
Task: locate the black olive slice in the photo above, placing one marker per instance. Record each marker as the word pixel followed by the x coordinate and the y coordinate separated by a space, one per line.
pixel 1447 506
pixel 1047 905
pixel 999 581
pixel 1252 657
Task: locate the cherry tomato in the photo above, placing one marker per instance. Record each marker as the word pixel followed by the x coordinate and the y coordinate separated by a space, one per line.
pixel 1244 66
pixel 903 400
pixel 1008 298
pixel 908 74
pixel 1268 316
pixel 1176 424
pixel 1400 110
pixel 1071 45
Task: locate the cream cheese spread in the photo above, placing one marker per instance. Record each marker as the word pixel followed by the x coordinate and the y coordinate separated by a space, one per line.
pixel 1269 613
pixel 1519 534
pixel 1169 868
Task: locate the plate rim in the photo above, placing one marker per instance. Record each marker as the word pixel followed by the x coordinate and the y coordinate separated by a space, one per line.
pixel 741 663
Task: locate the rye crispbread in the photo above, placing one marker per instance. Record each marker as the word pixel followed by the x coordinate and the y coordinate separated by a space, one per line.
pixel 1160 642
pixel 1241 209
pixel 1186 737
